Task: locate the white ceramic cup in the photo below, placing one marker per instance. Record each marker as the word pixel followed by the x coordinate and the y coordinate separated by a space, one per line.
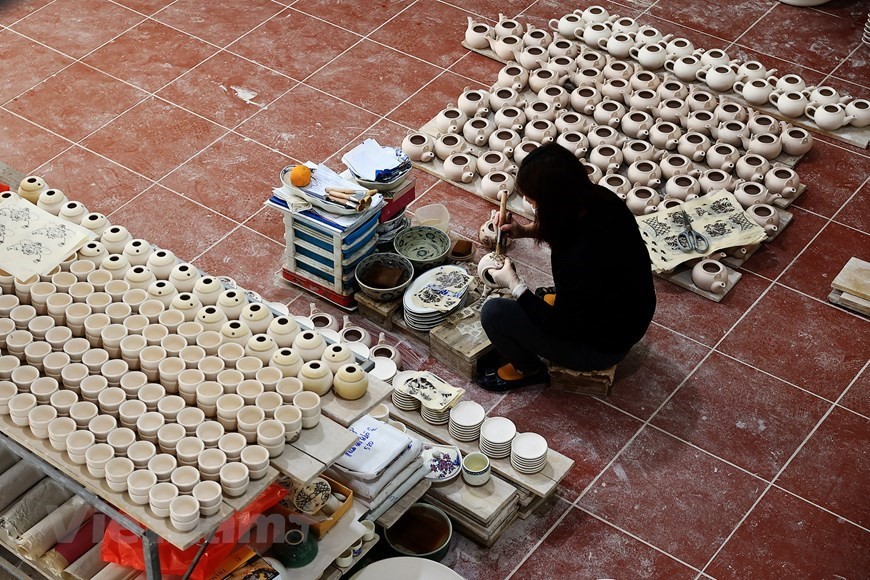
pixel 190 418
pixel 249 365
pixel 129 412
pixel 249 390
pixel 160 496
pixel 101 426
pixel 77 444
pixel 63 401
pixel 369 535
pixel 232 445
pixel 91 387
pixel 169 406
pixel 141 452
pixel 209 494
pixel 73 374
pixel 168 437
pixel 476 469
pixel 39 417
pixel 162 465
pixel 154 333
pixel 151 394
pixel 269 401
pixel 210 366
pixel 270 433
pixel 169 369
pixel 120 439
pixel 172 343
pixel 309 403
pixel 210 433
pixel 234 478
pixel 82 413
pixel 148 424
pixel 118 470
pixel 139 485
pixel 43 388
pixel 230 379
pixel 184 512
pixel 58 431
pixel 230 353
pixel 256 457
pixel 95 358
pixel 96 458
pixel 57 337
pixel 287 387
pixel 185 478
pixel 188 449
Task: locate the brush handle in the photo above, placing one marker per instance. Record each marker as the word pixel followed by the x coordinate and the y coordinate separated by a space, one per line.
pixel 502 217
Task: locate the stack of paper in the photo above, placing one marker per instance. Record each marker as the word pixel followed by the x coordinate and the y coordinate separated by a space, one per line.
pixel 372 162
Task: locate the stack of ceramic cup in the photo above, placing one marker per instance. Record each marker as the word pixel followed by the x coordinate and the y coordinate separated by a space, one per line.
pixel 117 472
pixel 270 434
pixel 59 430
pixel 139 484
pixel 162 465
pixel 96 458
pixel 185 479
pixel 209 495
pixel 249 418
pixel 528 453
pixel 210 463
pixel 234 479
pixel 256 457
pixel 496 434
pixel 20 406
pixel 160 496
pixel 466 417
pixel 184 512
pixel 77 444
pixel 434 417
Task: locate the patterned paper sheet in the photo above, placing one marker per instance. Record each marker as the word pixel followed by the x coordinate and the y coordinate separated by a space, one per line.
pixel 431 391
pixel 33 241
pixel 718 216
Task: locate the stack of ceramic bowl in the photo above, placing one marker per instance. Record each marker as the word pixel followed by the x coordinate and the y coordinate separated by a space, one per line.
pixel 434 417
pixel 425 318
pixel 466 417
pixel 528 453
pixel 184 512
pixel 496 434
pixel 402 400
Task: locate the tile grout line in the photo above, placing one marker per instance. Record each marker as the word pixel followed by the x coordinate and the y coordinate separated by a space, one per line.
pixel 751 26
pixel 839 64
pixel 783 468
pixel 10 25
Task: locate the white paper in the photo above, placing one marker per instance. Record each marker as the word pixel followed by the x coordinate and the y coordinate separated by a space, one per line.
pixel 378 445
pixel 32 241
pixel 368 157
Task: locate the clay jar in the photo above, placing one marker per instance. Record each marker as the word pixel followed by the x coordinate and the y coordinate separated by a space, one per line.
pixel 283 329
pixel 608 113
pixel 137 252
pixel 545 110
pixel 731 132
pixel 860 110
pixel 719 78
pixel 672 89
pixel 650 56
pixel 642 200
pixel 140 277
pixel 184 276
pixel 796 141
pixel 450 120
pixel 684 68
pixel 575 142
pixel 51 200
pixel 162 291
pixel 676 164
pixel 504 140
pixel 237 332
pixel 510 118
pixel 474 102
pixel 73 211
pixel 477 33
pixel 208 289
pixel 554 94
pixel 618 45
pixel 604 135
pixel 491 261
pixel 316 377
pixel 783 181
pixel 460 167
pixel 497 183
pixel 644 80
pixel 829 117
pixel 478 130
pixel 161 263
pixel 618 184
pixel 766 145
pixel 322 319
pixel 694 145
pixel 350 382
pixel 537 37
pixel 791 104
pixel 287 361
pixel 337 355
pixel 494 161
pixel 505 97
pixel 211 318
pixel 764 215
pixel 257 317
pixel 716 179
pixel 701 101
pixel 752 167
pixel 700 121
pixel 722 156
pixel 730 111
pixel 506 47
pixel 115 238
pixel 584 99
pixel 682 187
pixel 419 147
pixel 543 77
pixel 448 144
pixel 608 158
pixel 567 25
pixel 710 275
pixel 645 173
pixel 187 304
pixel 664 135
pixel 751 193
pixel 310 345
pixel 532 57
pixel 31 187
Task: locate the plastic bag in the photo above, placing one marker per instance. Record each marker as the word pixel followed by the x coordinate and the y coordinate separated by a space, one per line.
pixel 125 548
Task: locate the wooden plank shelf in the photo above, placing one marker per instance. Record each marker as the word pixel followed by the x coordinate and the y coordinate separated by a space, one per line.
pixel 683 277
pixel 785 218
pixel 346 412
pixel 854 278
pixel 389 517
pixel 142 514
pixel 481 503
pixel 541 483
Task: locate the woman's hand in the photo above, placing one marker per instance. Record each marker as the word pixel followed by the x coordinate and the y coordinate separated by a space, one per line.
pixel 511 227
pixel 506 276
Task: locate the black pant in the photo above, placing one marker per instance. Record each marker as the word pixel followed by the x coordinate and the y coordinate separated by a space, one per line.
pixel 521 341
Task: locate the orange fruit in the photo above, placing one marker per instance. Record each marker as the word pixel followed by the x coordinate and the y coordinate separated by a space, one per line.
pixel 300 176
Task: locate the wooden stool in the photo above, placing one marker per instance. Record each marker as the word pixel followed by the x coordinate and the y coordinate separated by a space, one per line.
pixel 596 383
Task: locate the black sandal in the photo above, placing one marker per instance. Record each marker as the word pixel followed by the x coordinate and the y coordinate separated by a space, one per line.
pixel 490 381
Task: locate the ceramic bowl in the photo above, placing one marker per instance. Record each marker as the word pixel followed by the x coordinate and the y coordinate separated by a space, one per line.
pixel 424 246
pixel 368 269
pixel 428 524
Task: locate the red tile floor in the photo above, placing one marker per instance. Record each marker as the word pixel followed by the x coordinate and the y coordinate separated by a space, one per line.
pixel 736 441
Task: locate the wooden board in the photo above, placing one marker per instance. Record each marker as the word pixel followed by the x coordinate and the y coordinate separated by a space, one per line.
pixel 541 483
pixel 142 514
pixel 325 442
pixel 297 465
pixel 859 136
pixel 381 313
pixel 10 176
pixel 782 202
pixel 399 322
pixel 683 278
pixel 597 383
pixel 530 507
pixel 255 488
pixel 854 279
pixel 484 535
pixel 481 503
pixel 389 517
pixel 850 301
pixel 460 342
pixel 346 412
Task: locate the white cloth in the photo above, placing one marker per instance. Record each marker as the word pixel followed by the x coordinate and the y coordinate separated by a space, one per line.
pixel 378 446
pixel 368 488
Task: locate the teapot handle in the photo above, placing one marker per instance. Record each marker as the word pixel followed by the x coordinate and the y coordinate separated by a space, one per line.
pixel 554 24
pixel 738 87
pixel 810 111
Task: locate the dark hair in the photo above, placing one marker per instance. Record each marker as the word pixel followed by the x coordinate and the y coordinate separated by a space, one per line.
pixel 557 182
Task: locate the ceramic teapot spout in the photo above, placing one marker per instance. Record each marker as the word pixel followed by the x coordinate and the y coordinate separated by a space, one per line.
pixel 427 156
pixel 699 155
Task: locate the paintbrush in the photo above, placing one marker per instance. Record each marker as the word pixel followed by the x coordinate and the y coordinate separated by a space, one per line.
pixel 502 220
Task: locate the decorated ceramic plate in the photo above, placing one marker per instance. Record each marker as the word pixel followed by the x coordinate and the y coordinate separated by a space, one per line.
pixel 444 461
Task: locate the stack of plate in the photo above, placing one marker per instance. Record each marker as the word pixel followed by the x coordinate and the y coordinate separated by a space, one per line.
pixel 466 417
pixel 496 434
pixel 426 318
pixel 405 402
pixel 528 453
pixel 435 417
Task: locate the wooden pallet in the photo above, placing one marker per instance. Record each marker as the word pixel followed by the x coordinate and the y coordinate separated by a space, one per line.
pixel 854 279
pixel 484 535
pixel 381 313
pixel 541 483
pixel 682 277
pixel 785 218
pixel 850 301
pixel 460 341
pixel 595 383
pixel 859 136
pixel 389 517
pixel 481 504
pixel 10 176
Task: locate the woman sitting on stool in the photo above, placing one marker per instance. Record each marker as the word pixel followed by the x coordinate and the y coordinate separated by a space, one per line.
pixel 604 294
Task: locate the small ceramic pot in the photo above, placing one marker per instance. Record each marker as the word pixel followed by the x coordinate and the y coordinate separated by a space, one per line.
pixel 350 382
pixel 710 275
pixel 310 345
pixel 316 377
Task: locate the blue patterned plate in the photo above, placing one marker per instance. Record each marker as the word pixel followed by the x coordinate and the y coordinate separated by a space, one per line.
pixel 444 461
